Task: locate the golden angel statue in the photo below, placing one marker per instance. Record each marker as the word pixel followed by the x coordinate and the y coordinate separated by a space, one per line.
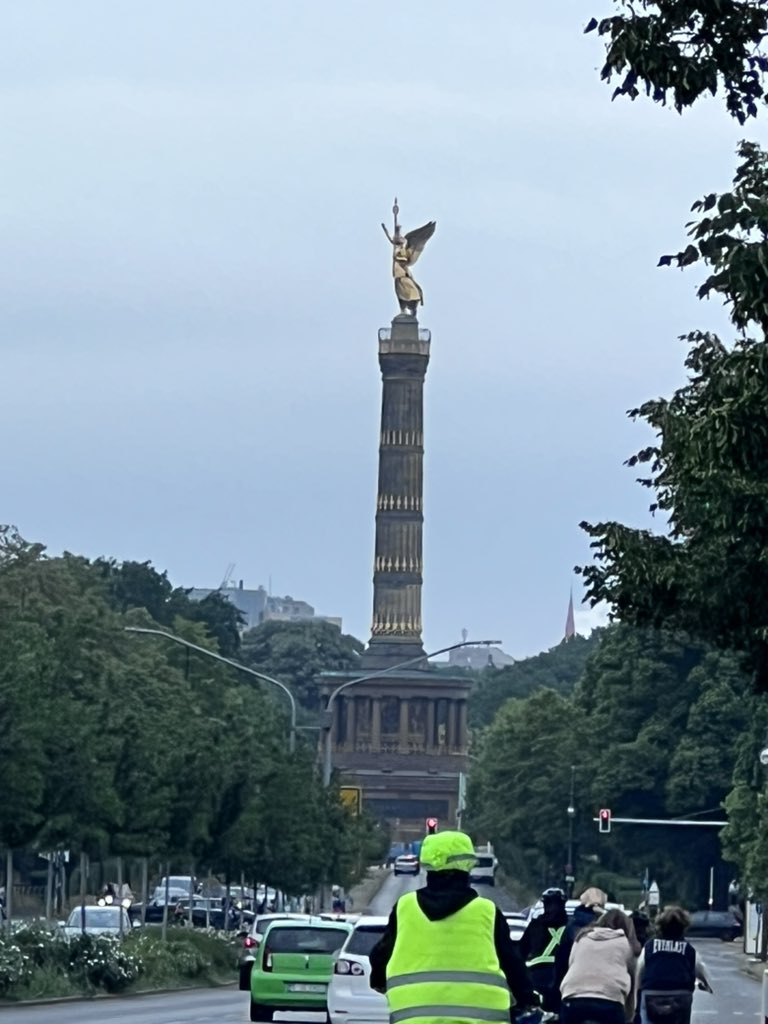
pixel 406 249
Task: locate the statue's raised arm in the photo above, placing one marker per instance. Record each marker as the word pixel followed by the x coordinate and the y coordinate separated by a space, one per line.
pixel 406 249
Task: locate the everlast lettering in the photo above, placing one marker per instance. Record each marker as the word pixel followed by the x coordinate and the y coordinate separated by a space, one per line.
pixel 668 946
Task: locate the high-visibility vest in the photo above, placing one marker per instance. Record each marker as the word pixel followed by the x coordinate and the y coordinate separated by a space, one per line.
pixel 547 955
pixel 448 970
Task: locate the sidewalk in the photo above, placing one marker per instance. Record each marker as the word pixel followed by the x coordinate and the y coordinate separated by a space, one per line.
pixel 361 894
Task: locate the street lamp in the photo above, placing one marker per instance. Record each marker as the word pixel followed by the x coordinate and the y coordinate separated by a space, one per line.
pixel 570 877
pixel 377 675
pixel 232 664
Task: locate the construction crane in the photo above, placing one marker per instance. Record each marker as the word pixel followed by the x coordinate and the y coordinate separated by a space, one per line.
pixel 227 577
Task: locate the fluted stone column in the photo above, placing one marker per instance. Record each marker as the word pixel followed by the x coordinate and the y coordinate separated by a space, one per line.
pixel 349 723
pixel 404 725
pixel 376 724
pixel 463 729
pixel 430 737
pixel 397 577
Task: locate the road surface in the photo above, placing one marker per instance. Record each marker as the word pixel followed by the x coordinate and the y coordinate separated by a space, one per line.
pixel 736 998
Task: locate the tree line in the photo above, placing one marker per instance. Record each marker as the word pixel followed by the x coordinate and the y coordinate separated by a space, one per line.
pixel 671 712
pixel 115 744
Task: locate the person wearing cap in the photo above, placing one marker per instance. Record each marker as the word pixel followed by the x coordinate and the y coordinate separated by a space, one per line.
pixel 538 947
pixel 446 954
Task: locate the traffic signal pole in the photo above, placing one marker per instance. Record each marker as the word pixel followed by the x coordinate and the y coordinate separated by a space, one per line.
pixel 663 821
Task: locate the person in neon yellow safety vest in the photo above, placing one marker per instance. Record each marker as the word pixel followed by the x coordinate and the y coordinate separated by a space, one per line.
pixel 538 947
pixel 446 956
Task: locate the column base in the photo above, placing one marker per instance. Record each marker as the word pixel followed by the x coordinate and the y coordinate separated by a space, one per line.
pixel 386 652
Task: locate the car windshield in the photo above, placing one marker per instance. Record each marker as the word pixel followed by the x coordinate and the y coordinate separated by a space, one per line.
pixel 306 940
pixel 363 939
pixel 485 862
pixel 176 882
pixel 95 917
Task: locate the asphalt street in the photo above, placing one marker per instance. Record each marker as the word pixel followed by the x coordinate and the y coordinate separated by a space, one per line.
pixel 737 996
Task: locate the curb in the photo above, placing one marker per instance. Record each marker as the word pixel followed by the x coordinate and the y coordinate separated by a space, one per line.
pixel 380 879
pixel 99 996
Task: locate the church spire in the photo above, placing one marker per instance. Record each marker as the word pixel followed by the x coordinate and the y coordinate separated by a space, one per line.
pixel 570 624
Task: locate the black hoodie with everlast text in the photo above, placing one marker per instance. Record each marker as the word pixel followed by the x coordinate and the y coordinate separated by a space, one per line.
pixel 445 893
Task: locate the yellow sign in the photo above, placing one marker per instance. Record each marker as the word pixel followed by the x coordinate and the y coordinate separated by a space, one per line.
pixel 352 798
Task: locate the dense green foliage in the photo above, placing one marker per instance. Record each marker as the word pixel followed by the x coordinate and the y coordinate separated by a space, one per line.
pixel 680 50
pixel 117 744
pixel 708 575
pixel 704 573
pixel 559 669
pixel 650 733
pixel 297 652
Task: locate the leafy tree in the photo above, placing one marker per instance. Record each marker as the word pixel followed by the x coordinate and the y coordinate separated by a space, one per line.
pixel 559 669
pixel 681 50
pixel 708 469
pixel 297 652
pixel 139 585
pixel 519 790
pixel 650 732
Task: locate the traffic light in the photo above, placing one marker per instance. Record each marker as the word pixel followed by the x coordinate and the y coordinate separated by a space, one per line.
pixel 605 820
pixel 431 826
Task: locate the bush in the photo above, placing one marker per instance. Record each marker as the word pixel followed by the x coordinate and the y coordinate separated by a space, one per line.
pixel 15 966
pixel 36 962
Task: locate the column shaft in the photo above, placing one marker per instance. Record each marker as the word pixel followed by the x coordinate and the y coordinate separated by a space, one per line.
pixel 404 725
pixel 376 724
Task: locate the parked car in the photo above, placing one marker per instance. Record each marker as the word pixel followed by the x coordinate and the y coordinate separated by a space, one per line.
pixel 407 864
pixel 293 967
pixel 252 938
pixel 106 920
pixel 718 924
pixel 351 1000
pixel 156 902
pixel 208 912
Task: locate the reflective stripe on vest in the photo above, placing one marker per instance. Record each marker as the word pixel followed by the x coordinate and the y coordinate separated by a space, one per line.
pixel 440 1012
pixel 548 956
pixel 446 970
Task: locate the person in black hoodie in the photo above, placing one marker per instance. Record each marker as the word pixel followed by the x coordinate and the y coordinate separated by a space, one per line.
pixel 591 907
pixel 538 948
pixel 446 893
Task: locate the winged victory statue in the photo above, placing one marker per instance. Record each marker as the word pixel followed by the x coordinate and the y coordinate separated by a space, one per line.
pixel 406 249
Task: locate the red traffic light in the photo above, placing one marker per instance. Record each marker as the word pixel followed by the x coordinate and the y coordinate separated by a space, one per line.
pixel 431 826
pixel 605 820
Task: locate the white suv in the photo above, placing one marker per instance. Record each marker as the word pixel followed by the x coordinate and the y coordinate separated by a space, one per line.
pixel 351 1000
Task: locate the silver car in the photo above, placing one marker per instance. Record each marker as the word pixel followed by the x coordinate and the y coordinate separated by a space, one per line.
pixel 112 920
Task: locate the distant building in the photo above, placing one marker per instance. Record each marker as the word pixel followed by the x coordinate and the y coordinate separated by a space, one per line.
pixel 478 658
pixel 257 606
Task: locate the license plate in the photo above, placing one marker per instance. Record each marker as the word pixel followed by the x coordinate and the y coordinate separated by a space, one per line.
pixel 319 989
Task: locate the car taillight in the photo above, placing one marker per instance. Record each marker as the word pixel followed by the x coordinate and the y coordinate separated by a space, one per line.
pixel 267 963
pixel 249 943
pixel 348 967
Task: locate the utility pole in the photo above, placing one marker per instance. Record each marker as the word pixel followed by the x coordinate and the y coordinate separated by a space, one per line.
pixel 570 871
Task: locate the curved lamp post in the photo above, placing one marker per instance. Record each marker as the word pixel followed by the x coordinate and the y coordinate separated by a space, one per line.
pixel 232 664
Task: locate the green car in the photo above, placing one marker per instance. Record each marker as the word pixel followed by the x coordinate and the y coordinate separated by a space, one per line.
pixel 293 966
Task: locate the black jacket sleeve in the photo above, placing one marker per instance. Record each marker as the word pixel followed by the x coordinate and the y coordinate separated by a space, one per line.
pixel 511 963
pixel 381 954
pixel 563 955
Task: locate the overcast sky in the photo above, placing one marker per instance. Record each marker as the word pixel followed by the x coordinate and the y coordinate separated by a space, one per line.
pixel 194 275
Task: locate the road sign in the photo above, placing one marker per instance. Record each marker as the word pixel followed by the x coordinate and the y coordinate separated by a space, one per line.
pixel 352 798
